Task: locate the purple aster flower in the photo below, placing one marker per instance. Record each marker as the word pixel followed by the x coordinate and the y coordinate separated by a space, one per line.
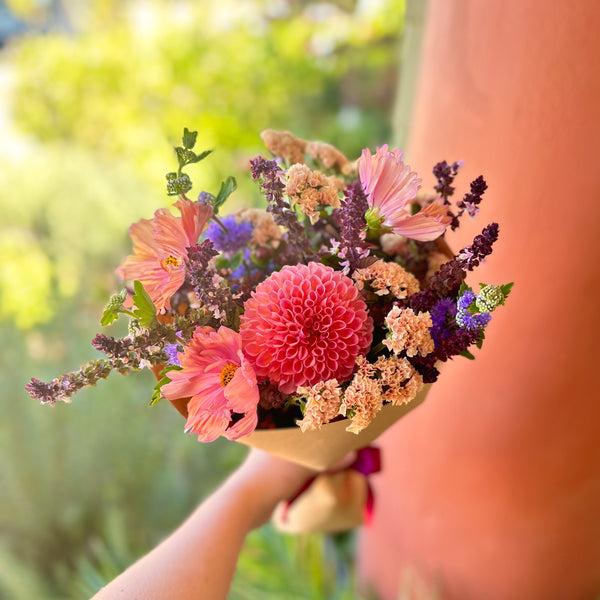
pixel 443 318
pixel 449 339
pixel 465 318
pixel 205 198
pixel 238 234
pixel 171 351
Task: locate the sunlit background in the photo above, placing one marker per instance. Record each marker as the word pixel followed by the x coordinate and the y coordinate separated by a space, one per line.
pixel 93 94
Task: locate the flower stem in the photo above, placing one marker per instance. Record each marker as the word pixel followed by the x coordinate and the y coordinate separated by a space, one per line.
pixel 220 223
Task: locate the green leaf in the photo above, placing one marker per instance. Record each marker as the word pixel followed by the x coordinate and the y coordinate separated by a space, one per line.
pixel 506 288
pixel 480 339
pixel 221 262
pixel 189 138
pixel 236 260
pixel 157 390
pixel 184 156
pixel 198 157
pixel 227 188
pixel 113 307
pixel 467 354
pixel 145 310
pixel 463 288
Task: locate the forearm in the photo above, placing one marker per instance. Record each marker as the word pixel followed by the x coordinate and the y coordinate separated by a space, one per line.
pixel 198 560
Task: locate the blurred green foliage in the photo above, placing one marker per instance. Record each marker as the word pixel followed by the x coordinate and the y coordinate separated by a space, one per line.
pixel 96 103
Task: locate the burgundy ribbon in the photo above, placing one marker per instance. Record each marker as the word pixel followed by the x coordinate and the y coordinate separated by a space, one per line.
pixel 367 462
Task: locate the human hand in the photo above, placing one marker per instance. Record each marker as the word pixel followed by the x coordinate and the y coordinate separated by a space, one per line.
pixel 265 480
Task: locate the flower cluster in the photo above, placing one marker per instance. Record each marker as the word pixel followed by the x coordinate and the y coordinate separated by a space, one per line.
pixel 337 299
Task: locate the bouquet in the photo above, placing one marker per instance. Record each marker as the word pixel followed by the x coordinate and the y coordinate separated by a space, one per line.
pixel 305 328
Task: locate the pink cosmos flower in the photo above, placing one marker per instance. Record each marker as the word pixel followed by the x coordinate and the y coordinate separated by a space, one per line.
pixel 160 249
pixel 219 381
pixel 390 185
pixel 305 324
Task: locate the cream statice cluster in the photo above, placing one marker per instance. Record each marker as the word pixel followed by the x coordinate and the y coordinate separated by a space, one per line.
pixel 340 297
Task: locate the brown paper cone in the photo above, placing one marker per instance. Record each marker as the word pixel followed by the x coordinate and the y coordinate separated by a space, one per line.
pixel 323 448
pixel 334 502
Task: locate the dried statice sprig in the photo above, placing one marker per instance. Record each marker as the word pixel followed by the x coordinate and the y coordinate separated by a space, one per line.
pixel 351 222
pixel 212 290
pixel 448 278
pixel 270 176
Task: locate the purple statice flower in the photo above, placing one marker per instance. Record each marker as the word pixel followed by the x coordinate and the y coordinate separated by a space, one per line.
pixel 467 319
pixel 270 175
pixel 234 238
pixel 171 351
pixel 470 203
pixel 351 221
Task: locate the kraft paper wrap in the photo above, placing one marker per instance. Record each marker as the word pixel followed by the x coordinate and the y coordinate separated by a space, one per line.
pixel 321 449
pixel 333 503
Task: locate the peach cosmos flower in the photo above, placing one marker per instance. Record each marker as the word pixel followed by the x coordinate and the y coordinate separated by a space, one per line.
pixel 390 185
pixel 160 249
pixel 219 381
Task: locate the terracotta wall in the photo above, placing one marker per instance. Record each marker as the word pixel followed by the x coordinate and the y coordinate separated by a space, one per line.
pixel 492 488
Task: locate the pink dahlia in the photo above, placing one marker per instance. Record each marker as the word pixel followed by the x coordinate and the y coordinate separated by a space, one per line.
pixel 305 324
pixel 220 383
pixel 390 185
pixel 160 249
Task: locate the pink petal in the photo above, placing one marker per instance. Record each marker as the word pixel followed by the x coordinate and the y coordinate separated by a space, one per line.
pixel 428 224
pixel 242 391
pixel 194 217
pixel 245 426
pixel 208 425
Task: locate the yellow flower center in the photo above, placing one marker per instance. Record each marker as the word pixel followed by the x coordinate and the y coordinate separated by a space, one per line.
pixel 170 262
pixel 227 373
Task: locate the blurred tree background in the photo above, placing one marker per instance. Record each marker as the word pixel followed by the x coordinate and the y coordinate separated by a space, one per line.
pixel 94 94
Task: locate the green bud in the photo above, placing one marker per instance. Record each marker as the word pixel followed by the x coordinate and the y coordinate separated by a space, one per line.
pixel 491 297
pixel 178 184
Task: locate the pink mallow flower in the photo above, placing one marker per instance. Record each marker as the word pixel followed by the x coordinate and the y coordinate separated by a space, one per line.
pixel 220 383
pixel 305 324
pixel 390 186
pixel 160 249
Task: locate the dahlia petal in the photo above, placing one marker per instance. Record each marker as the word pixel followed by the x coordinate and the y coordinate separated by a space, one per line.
pixel 312 312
